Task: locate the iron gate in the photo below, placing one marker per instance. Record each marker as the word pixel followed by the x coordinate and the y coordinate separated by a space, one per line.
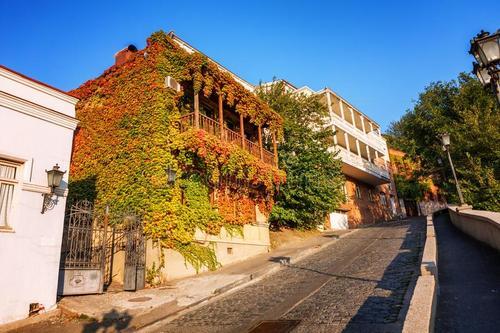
pixel 135 254
pixel 90 243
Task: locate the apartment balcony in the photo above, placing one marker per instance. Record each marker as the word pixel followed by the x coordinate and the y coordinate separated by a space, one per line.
pixel 213 127
pixel 355 166
pixel 373 138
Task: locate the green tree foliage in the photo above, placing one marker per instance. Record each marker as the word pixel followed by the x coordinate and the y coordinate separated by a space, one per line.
pixel 314 178
pixel 411 188
pixel 471 116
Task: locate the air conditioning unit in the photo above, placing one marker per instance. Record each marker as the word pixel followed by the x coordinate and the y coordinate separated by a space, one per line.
pixel 171 83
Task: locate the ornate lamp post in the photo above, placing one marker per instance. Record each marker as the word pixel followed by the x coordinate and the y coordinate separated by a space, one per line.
pixel 54 178
pixel 485 47
pixel 171 176
pixel 445 140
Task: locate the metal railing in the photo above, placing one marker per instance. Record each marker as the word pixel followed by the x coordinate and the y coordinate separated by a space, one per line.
pixel 212 126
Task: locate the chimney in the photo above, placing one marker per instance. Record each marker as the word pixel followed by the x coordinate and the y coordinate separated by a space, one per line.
pixel 124 55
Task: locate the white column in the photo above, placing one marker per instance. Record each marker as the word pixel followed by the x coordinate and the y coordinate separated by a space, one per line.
pixel 329 101
pixel 358 148
pixel 352 116
pixel 335 141
pixel 363 123
pixel 371 127
pixel 341 106
pixel 346 137
pixel 376 154
pixel 368 153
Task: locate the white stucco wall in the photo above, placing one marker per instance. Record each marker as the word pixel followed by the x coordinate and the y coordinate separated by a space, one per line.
pixel 36 130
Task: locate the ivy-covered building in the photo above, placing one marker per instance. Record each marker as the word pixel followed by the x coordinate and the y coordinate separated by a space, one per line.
pixel 170 110
pixel 418 193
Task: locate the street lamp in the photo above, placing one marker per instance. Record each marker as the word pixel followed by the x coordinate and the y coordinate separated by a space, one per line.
pixel 445 140
pixel 485 47
pixel 481 73
pixel 54 178
pixel 171 175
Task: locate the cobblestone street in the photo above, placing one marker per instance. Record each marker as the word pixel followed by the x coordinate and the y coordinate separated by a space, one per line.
pixel 358 284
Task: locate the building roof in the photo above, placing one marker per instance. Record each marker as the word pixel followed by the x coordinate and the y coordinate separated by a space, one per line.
pixel 306 90
pixel 39 82
pixel 188 47
pixel 326 89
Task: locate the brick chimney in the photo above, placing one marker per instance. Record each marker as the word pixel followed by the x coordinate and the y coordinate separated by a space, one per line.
pixel 124 55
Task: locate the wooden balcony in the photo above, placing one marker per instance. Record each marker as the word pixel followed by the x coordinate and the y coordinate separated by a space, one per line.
pixel 213 127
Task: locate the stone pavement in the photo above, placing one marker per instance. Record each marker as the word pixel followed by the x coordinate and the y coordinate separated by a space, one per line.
pixel 469 282
pixel 359 283
pixel 128 310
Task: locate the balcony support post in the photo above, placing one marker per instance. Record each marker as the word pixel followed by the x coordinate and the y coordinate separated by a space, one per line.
pixel 197 110
pixel 221 117
pixel 261 151
pixel 352 117
pixel 346 138
pixel 341 106
pixel 242 131
pixel 329 102
pixel 275 149
pixel 358 148
pixel 368 153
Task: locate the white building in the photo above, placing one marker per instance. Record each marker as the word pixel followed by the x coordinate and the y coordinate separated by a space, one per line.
pixel 369 187
pixel 36 132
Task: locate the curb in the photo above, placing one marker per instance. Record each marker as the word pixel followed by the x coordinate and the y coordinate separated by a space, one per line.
pixel 422 311
pixel 243 282
pixel 23 323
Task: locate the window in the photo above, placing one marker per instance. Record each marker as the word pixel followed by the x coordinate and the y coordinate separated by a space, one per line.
pixel 358 191
pixel 370 195
pixel 8 173
pixel 383 199
pixel 344 189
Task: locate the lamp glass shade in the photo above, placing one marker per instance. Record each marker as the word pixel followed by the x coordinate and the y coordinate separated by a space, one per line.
pixel 171 174
pixel 475 53
pixel 482 74
pixel 445 139
pixel 489 49
pixel 54 177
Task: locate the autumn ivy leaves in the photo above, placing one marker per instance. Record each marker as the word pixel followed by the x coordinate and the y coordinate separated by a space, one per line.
pixel 128 137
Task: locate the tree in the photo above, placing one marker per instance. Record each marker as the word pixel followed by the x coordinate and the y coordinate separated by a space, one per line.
pixel 314 177
pixel 471 116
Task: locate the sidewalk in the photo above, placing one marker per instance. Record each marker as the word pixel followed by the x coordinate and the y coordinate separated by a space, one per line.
pixel 469 282
pixel 140 308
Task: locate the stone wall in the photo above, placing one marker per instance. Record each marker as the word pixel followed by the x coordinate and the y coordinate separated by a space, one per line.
pixel 228 248
pixel 479 224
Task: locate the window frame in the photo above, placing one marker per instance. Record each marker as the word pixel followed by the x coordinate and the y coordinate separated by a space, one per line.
pixel 357 192
pixel 383 198
pixel 344 189
pixel 370 195
pixel 16 183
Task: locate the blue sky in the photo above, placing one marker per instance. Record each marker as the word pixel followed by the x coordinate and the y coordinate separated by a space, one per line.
pixel 377 54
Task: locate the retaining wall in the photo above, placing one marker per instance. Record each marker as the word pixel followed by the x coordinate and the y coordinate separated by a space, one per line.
pixel 479 224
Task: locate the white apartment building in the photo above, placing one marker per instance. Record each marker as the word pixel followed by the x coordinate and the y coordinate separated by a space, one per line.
pixel 358 141
pixel 36 133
